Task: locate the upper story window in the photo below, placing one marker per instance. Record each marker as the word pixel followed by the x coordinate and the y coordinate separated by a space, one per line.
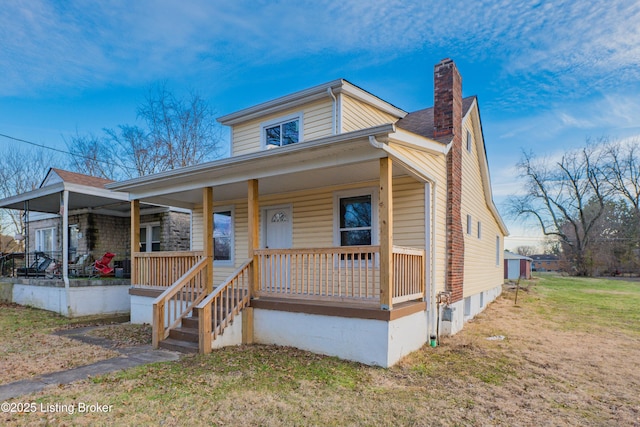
pixel 469 141
pixel 282 131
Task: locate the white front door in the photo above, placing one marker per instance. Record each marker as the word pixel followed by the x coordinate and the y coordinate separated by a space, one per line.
pixel 278 235
pixel 278 228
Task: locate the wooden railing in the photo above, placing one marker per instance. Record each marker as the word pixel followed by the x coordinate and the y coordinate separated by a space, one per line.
pixel 162 269
pixel 322 274
pixel 350 273
pixel 178 300
pixel 408 277
pixel 219 308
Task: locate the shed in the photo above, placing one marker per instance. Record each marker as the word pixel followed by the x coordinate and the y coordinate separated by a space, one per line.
pixel 516 266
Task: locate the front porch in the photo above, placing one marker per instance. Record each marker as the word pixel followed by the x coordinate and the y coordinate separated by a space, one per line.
pixel 318 243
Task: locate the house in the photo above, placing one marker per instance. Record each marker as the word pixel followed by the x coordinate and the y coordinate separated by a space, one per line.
pixel 340 224
pixel 516 266
pixel 96 221
pixel 546 262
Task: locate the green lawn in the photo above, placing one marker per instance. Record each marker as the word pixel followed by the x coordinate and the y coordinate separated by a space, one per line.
pixel 588 303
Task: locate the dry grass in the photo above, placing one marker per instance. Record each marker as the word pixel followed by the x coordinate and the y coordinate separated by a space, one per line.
pixel 28 349
pixel 546 372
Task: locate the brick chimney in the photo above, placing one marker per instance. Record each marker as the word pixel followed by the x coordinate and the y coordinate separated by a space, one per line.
pixel 447 126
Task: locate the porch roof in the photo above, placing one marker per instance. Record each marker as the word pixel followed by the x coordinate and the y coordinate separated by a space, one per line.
pixel 47 199
pixel 344 158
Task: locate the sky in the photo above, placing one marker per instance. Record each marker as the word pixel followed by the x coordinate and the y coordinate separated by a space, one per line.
pixel 548 74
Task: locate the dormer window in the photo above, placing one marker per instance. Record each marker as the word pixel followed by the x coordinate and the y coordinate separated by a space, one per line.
pixel 282 131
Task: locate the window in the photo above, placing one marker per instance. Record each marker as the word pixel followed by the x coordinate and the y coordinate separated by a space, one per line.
pixel 481 299
pixel 46 240
pixel 355 217
pixel 469 226
pixel 467 306
pixel 282 131
pixel 150 237
pixel 223 236
pixel 479 230
pixel 497 250
pixel 468 141
pixel 355 221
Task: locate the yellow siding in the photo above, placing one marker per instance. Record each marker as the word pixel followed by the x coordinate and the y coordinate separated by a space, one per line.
pixel 480 270
pixel 317 122
pixel 197 225
pixel 312 212
pixel 357 115
pixel 436 167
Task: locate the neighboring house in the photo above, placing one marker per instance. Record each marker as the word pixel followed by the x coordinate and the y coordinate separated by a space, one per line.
pixel 96 221
pixel 516 266
pixel 545 262
pixel 337 225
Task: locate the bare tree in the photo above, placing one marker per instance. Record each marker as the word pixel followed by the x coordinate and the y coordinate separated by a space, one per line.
pixel 623 170
pixel 526 250
pixel 565 198
pixel 21 171
pixel 173 133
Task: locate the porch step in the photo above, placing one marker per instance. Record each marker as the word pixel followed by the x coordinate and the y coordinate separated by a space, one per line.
pixel 185 333
pixel 179 346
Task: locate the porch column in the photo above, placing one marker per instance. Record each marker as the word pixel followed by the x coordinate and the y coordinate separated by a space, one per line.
pixel 386 234
pixel 253 233
pixel 135 239
pixel 207 212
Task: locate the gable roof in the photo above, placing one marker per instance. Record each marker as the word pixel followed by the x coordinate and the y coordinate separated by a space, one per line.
pixel 421 122
pixel 74 178
pixel 307 95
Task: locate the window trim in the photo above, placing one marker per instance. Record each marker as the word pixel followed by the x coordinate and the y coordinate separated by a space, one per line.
pixel 356 192
pixel 479 229
pixel 149 227
pixel 231 261
pixel 278 121
pixel 469 141
pixel 54 239
pixel 469 225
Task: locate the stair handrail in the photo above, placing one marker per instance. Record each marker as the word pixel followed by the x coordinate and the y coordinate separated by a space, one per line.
pixel 220 297
pixel 160 332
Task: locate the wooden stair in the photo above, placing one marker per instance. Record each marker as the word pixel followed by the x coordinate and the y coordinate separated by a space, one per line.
pixel 185 339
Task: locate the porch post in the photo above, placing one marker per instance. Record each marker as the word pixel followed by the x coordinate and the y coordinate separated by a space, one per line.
pixel 253 232
pixel 207 212
pixel 135 239
pixel 386 234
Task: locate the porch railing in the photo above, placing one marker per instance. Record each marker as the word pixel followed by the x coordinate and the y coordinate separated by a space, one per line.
pixel 408 274
pixel 345 273
pixel 162 269
pixel 220 307
pixel 178 300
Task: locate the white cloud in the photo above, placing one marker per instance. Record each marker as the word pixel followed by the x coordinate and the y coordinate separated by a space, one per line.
pixel 566 47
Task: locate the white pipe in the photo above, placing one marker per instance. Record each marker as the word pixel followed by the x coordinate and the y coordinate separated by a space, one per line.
pixel 334 108
pixel 431 200
pixel 65 246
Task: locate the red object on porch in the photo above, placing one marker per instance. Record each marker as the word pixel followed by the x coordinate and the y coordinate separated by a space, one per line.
pixel 102 265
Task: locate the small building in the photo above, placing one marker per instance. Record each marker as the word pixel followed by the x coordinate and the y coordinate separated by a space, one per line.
pixel 71 220
pixel 516 266
pixel 545 262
